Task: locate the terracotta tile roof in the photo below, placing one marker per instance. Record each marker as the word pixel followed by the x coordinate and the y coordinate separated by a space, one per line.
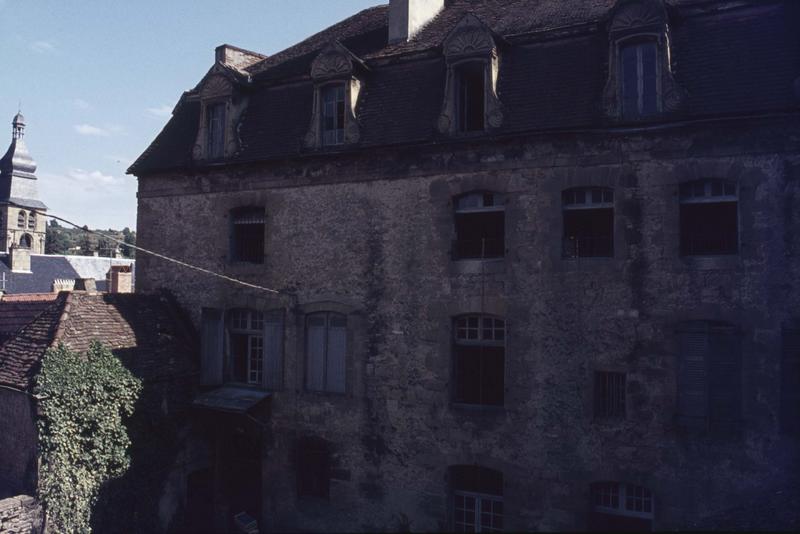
pixel 16 312
pixel 29 297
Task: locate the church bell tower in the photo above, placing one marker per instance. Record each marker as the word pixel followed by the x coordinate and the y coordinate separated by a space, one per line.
pixel 22 221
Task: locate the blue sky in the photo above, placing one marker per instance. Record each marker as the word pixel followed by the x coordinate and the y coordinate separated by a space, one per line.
pixel 98 79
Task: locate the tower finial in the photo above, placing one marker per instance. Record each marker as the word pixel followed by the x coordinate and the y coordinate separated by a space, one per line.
pixel 18 125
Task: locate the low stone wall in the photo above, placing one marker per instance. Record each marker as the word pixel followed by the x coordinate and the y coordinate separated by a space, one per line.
pixel 20 515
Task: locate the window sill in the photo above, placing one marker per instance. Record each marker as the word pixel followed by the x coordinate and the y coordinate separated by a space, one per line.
pixel 713 263
pixel 484 409
pixel 478 266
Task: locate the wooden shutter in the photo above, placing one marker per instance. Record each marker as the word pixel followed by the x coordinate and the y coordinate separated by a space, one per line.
pixel 315 352
pixel 725 378
pixel 211 341
pixel 337 350
pixel 273 351
pixel 790 383
pixel 692 378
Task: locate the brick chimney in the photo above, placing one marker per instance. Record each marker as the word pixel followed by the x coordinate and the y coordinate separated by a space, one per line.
pixel 236 57
pixel 407 17
pixel 20 259
pixel 121 279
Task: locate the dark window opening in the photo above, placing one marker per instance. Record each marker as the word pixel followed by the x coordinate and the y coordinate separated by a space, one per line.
pixel 790 383
pixel 480 226
pixel 588 223
pixel 312 468
pixel 32 221
pixel 709 218
pixel 25 241
pixel 333 114
pixel 618 507
pixel 639 78
pixel 326 349
pixel 21 220
pixel 479 360
pixel 246 346
pixel 609 395
pixel 215 115
pixel 248 235
pixel 477 499
pixel 470 97
pixel 709 377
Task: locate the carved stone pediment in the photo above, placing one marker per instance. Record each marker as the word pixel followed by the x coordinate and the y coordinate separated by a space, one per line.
pixel 333 61
pixel 631 14
pixel 469 37
pixel 216 86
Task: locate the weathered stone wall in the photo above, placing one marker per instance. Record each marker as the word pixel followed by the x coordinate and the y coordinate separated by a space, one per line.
pixel 371 235
pixel 17 444
pixel 20 515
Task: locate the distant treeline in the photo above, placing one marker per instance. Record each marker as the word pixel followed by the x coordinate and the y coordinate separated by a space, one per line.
pixel 78 242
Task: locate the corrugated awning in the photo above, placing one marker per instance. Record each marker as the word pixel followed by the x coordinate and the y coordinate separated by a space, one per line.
pixel 231 399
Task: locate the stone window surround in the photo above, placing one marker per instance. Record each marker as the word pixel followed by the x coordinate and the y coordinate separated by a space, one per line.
pixel 470 42
pixel 233 214
pixel 333 66
pixel 217 88
pixel 493 308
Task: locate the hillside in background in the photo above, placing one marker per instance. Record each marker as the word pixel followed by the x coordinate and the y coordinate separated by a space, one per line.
pixel 78 242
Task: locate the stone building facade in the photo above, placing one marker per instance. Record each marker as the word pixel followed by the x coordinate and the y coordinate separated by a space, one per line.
pixel 535 267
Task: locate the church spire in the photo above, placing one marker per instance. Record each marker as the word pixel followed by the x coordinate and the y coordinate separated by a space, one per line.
pixel 18 126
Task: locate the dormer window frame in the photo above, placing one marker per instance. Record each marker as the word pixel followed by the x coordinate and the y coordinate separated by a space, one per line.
pixel 218 89
pixel 637 40
pixel 334 67
pixel 339 121
pixel 210 144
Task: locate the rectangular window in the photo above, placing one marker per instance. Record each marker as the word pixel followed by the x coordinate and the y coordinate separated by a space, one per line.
pixel 588 222
pixel 326 349
pixel 609 395
pixel 470 97
pixel 247 235
pixel 709 218
pixel 639 79
pixel 255 348
pixel 790 383
pixel 477 499
pixel 480 226
pixel 479 360
pixel 215 116
pixel 333 115
pixel 621 508
pixel 709 376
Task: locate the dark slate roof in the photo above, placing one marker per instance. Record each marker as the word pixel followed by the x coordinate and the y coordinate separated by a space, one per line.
pixel 729 58
pixel 44 269
pixel 16 313
pixel 147 332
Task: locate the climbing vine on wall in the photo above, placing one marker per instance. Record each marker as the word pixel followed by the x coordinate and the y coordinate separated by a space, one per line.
pixel 84 400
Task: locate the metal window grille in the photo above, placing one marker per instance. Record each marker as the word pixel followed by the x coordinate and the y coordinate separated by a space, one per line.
pixel 248 235
pixel 609 394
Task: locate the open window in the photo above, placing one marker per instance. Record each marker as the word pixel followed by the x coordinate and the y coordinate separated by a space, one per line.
pixel 480 226
pixel 477 494
pixel 215 130
pixel 639 78
pixel 247 235
pixel 479 360
pixel 709 216
pixel 333 114
pixel 619 507
pixel 326 352
pixel 470 96
pixel 588 222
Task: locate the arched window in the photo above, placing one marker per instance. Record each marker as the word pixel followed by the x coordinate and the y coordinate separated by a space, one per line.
pixel 21 219
pixel 479 360
pixel 477 494
pixel 32 221
pixel 247 235
pixel 480 226
pixel 709 218
pixel 25 241
pixel 588 222
pixel 619 507
pixel 326 352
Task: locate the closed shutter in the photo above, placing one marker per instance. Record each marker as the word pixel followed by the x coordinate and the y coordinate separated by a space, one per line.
pixel 790 383
pixel 273 351
pixel 315 352
pixel 211 342
pixel 337 350
pixel 692 379
pixel 725 379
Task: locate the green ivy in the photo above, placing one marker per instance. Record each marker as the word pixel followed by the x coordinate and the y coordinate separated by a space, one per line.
pixel 84 400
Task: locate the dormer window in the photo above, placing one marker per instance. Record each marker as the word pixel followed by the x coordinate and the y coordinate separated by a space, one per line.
pixel 215 128
pixel 333 114
pixel 470 97
pixel 639 77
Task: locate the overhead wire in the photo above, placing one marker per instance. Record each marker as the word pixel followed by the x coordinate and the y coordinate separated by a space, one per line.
pixel 154 254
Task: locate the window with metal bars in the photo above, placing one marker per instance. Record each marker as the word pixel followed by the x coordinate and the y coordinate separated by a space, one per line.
pixel 477 499
pixel 326 352
pixel 621 507
pixel 609 395
pixel 480 226
pixel 479 360
pixel 709 217
pixel 588 222
pixel 639 78
pixel 247 235
pixel 333 114
pixel 215 130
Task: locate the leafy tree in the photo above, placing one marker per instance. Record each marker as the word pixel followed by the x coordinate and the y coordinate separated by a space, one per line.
pixel 56 241
pixel 83 400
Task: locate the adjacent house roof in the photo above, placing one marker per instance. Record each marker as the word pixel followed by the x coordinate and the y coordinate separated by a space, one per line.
pixel 553 70
pixel 17 311
pixel 147 332
pixel 47 268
